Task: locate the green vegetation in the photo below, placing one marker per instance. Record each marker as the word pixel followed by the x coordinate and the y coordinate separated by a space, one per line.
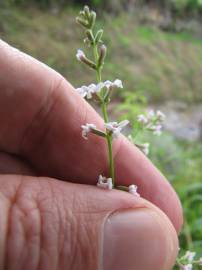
pixel 181 163
pixel 178 7
pixel 159 64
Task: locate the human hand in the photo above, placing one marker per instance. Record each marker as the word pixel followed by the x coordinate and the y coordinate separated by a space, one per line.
pixel 50 224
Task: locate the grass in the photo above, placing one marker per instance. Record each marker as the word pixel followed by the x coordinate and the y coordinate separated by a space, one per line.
pixel 161 65
pixel 181 163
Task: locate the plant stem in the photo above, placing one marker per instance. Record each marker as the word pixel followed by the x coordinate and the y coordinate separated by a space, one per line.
pixel 188 235
pixel 106 118
pixel 98 70
pixel 109 144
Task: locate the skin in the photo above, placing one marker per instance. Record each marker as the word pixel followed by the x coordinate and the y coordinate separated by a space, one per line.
pixel 52 214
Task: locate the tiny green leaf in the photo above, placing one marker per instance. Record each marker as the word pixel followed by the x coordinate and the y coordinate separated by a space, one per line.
pixel 90 36
pixel 98 36
pixel 92 19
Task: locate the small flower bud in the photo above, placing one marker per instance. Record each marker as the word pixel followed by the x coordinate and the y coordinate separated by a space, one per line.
pixel 81 57
pixel 144 148
pixel 113 85
pixel 90 90
pixel 104 182
pixel 82 13
pixel 82 21
pixel 103 52
pixel 151 114
pixel 142 119
pixel 157 130
pixel 87 42
pixel 133 190
pixel 160 116
pixel 189 255
pixel 90 36
pixel 98 36
pixel 92 19
pixel 86 11
pixel 115 128
pixel 87 128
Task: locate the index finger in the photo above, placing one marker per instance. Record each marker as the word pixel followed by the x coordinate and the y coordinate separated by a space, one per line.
pixel 41 116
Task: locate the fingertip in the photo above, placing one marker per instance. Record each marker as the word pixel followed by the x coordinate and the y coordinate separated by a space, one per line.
pixel 133 167
pixel 139 239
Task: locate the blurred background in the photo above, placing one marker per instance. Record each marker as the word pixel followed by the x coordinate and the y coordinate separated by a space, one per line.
pixel 155 47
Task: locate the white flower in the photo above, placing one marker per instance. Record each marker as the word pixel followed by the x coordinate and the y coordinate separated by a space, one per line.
pixel 157 130
pixel 144 148
pixel 141 118
pixel 189 255
pixel 152 121
pixel 130 138
pixel 116 128
pixel 88 91
pixel 86 129
pixel 82 91
pixel 104 182
pixel 200 261
pixel 161 116
pixel 99 87
pixel 133 190
pixel 118 83
pixel 92 89
pixel 151 114
pixel 80 54
pixel 187 267
pixel 111 85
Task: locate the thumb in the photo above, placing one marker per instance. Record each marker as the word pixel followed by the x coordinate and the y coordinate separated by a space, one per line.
pixel 47 224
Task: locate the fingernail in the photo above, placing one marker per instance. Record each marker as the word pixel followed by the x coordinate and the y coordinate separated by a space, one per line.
pixel 138 239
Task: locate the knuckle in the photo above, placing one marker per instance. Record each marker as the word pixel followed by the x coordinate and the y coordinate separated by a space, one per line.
pixel 33 228
pixel 47 227
pixel 23 231
pixel 79 247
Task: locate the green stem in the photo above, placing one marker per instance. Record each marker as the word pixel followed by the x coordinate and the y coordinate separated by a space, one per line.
pixel 109 144
pixel 188 235
pixel 98 70
pixel 106 118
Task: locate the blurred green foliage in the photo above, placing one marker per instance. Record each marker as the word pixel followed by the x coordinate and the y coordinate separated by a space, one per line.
pixel 181 163
pixel 179 7
pixel 159 64
pixel 184 6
